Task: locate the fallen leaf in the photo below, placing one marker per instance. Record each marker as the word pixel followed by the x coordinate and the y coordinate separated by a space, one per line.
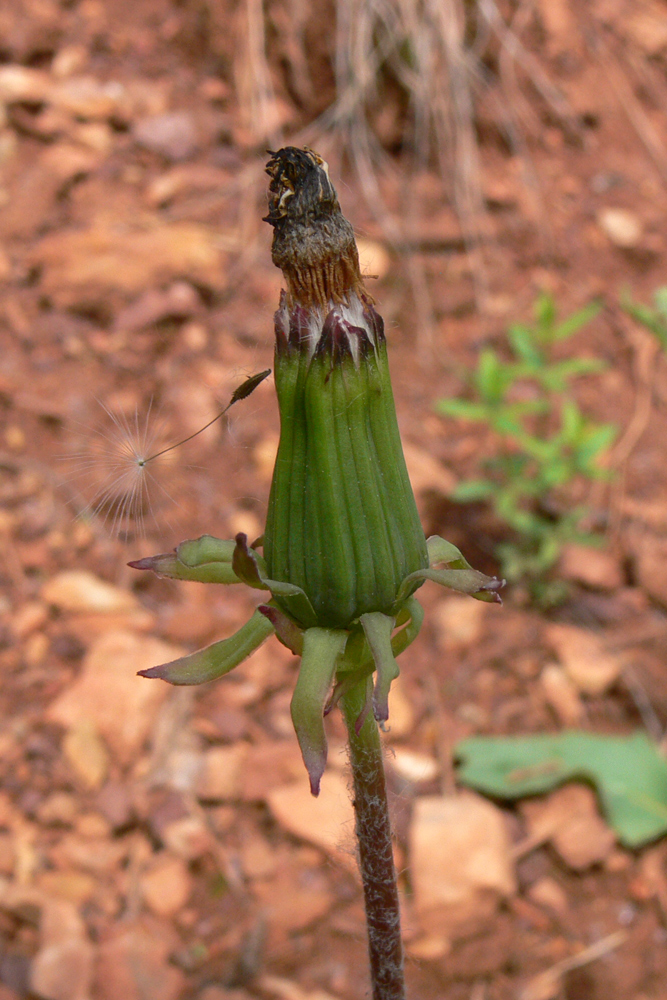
pixel 629 773
pixel 590 667
pixel 460 863
pixel 108 691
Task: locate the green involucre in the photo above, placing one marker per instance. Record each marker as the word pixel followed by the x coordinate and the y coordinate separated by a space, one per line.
pixel 342 521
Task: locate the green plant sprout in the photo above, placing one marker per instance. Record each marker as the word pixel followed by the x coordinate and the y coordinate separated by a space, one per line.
pixel 343 552
pixel 545 444
pixel 653 318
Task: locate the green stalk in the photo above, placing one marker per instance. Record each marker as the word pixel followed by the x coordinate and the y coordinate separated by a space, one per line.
pixel 376 858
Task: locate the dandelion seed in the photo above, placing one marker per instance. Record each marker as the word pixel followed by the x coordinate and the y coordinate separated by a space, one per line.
pixel 112 475
pixel 109 477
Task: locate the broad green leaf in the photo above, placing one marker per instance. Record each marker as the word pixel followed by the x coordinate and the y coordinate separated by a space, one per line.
pixel 628 772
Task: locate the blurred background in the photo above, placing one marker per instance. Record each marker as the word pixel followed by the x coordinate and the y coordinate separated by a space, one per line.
pixel 504 165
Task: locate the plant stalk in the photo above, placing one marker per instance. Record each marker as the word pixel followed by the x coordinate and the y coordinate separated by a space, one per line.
pixel 376 857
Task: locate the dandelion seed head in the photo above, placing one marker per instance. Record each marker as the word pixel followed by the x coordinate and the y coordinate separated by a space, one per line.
pixel 113 477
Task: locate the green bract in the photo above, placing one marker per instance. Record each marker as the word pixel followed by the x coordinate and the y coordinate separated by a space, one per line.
pixel 343 551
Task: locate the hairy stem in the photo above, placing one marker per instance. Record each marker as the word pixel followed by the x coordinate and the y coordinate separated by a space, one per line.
pixel 375 848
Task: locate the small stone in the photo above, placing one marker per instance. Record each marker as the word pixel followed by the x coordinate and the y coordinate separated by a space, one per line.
pixel 188 837
pixel 20 84
pixel 618 861
pixel 62 968
pixel 92 824
pixel 264 455
pixel 35 649
pixel 115 803
pixel 295 897
pixel 584 658
pixel 220 774
pixel 109 693
pixel 374 258
pixel 458 622
pixel 428 949
pixel 166 886
pixel 402 717
pixel 413 767
pixel 650 556
pixel 218 993
pixel 547 892
pixel 84 265
pixel 562 695
pixel 98 855
pixel 79 591
pixel 28 618
pixel 63 971
pixel 426 472
pixel 14 437
pixel 267 766
pixel 68 60
pixel 86 754
pixel 76 887
pixel 133 964
pixel 326 821
pixel 258 857
pixel 172 134
pixel 88 98
pixel 59 807
pixel 7 853
pixel 460 863
pixel 621 227
pixel 570 820
pixel 594 568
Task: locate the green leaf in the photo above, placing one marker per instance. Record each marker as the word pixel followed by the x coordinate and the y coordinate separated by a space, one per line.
pixel 491 377
pixel 462 409
pixel 473 489
pixel 654 320
pixel 575 322
pixel 597 438
pixel 571 422
pixel 545 314
pixel 523 344
pixel 629 773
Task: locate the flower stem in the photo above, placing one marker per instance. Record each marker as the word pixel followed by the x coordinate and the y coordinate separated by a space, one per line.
pixel 375 849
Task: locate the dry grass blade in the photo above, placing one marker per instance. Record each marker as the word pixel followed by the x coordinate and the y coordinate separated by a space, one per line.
pixel 253 77
pixel 547 985
pixel 618 80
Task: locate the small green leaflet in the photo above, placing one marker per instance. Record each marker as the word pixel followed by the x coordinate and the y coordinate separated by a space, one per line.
pixel 628 773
